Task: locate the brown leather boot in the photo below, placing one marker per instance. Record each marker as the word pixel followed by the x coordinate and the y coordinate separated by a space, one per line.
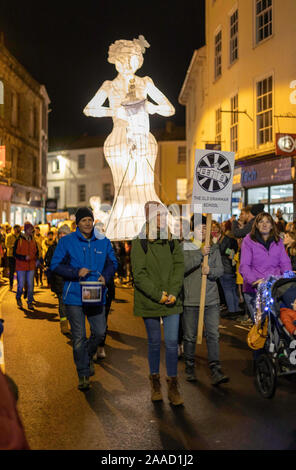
pixel 173 392
pixel 155 387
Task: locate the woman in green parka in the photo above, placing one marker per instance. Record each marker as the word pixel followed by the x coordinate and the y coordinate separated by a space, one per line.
pixel 158 271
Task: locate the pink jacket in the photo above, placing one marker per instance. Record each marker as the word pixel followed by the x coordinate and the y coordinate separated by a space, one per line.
pixel 259 263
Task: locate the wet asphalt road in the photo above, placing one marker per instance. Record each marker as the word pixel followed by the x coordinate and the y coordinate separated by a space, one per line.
pixel 116 413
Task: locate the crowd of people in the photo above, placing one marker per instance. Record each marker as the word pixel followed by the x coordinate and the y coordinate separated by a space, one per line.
pixel 82 267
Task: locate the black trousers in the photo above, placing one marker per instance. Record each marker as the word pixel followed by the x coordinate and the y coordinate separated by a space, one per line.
pixel 11 265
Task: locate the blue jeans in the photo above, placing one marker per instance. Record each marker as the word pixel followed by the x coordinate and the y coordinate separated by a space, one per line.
pixel 211 327
pixel 84 348
pixel 171 330
pixel 228 283
pixel 250 299
pixel 22 278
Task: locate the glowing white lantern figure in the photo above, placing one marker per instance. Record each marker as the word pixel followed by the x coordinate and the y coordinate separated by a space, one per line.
pixel 130 149
pixel 99 215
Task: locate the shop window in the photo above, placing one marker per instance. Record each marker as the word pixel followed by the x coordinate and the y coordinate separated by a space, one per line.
pixel 218 55
pixel 263 19
pixel 233 37
pixel 264 111
pixel 181 189
pixel 258 195
pixel 234 124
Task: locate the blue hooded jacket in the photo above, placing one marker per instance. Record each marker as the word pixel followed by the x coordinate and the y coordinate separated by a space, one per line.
pixel 74 252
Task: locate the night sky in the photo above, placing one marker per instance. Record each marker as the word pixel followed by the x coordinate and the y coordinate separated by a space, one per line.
pixel 64 46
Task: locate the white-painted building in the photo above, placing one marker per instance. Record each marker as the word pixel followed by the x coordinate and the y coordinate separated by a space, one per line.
pixel 77 173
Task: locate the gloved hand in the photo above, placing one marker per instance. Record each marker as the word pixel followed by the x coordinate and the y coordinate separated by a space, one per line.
pixel 164 297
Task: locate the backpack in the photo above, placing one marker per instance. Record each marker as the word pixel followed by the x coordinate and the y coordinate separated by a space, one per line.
pixel 144 245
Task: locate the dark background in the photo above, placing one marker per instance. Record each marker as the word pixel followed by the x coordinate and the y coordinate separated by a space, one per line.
pixel 64 46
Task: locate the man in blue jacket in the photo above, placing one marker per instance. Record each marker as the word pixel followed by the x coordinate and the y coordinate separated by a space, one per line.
pixel 80 256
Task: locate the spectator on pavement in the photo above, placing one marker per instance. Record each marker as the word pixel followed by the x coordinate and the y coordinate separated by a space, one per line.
pixel 80 256
pixel 10 241
pixel 27 255
pixel 158 269
pixel 243 226
pixel 194 252
pixel 56 282
pixel 39 269
pixel 290 245
pixel 228 248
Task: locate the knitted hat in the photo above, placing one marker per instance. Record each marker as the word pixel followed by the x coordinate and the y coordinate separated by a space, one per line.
pixel 289 296
pixel 257 208
pixel 83 212
pixel 64 229
pixel 152 208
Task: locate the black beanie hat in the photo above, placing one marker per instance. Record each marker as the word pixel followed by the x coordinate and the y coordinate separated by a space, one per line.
pixel 289 296
pixel 257 208
pixel 83 212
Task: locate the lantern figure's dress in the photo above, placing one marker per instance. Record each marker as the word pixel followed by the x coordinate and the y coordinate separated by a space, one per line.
pixel 130 149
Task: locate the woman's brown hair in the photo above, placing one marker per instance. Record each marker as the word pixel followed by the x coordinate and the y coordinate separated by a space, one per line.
pixel 273 232
pixel 292 248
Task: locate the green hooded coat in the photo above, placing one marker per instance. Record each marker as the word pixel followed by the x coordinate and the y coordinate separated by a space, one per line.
pixel 156 271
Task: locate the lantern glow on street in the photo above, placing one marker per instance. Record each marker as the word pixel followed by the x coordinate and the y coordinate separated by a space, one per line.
pixel 130 149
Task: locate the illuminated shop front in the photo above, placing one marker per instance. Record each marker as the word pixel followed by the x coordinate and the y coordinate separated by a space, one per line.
pixel 269 182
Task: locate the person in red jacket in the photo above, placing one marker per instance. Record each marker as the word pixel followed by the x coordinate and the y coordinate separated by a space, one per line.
pixel 288 314
pixel 12 434
pixel 26 256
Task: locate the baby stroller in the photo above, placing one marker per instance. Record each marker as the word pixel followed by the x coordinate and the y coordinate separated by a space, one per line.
pixel 278 356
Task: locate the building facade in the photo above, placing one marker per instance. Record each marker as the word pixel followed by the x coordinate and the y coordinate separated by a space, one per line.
pixel 77 173
pixel 170 179
pixel 240 96
pixel 24 142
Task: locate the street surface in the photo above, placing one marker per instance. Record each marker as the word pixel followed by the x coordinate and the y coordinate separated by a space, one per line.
pixel 116 413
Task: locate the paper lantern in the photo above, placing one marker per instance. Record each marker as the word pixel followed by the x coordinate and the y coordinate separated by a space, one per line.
pixel 130 149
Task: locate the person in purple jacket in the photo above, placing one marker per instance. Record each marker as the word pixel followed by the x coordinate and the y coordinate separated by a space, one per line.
pixel 263 254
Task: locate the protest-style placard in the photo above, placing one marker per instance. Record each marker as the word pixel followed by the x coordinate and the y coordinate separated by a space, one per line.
pixel 212 191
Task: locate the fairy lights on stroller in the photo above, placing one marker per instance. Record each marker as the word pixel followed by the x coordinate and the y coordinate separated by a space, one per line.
pixel 264 300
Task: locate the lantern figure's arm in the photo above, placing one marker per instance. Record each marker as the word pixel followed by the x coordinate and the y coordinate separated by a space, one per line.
pixel 95 107
pixel 163 107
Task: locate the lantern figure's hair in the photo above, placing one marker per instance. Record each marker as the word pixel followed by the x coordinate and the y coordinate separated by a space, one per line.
pixel 124 47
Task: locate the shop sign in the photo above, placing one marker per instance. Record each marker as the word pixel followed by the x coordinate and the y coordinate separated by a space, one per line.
pixel 51 205
pixel 285 144
pixel 212 186
pixel 266 173
pixel 2 156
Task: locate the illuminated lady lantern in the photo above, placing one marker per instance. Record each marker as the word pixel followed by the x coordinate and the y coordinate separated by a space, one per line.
pixel 130 149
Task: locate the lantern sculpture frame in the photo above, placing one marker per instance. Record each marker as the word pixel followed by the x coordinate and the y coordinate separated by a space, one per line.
pixel 130 149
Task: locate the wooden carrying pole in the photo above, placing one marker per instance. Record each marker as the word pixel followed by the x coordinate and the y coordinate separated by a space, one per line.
pixel 204 283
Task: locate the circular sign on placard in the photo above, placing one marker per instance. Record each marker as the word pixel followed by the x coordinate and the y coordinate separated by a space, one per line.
pixel 213 172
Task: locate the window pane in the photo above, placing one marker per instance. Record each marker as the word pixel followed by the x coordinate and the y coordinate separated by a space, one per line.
pixel 258 195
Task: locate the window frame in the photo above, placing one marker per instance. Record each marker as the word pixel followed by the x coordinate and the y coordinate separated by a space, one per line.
pixel 218 56
pixel 264 111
